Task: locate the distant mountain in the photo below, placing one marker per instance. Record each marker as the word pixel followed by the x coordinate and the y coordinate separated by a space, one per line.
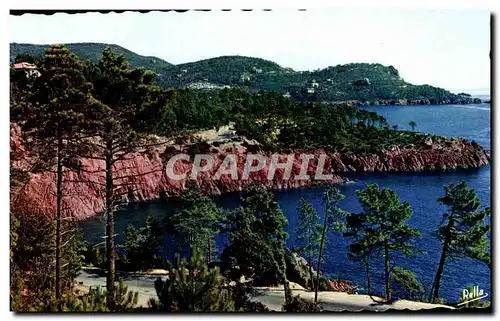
pixel 357 81
pixel 225 70
pixel 92 52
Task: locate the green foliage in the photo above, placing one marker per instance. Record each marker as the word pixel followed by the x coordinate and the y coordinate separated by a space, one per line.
pixel 308 235
pixel 58 98
pixel 73 249
pixel 467 226
pixel 124 300
pixel 355 81
pixel 95 256
pixel 92 52
pixel 256 235
pixel 52 118
pixel 143 246
pixel 124 99
pixel 381 229
pixel 94 301
pixel 298 304
pixel 333 221
pixel 18 300
pixel 274 121
pixel 282 123
pixel 226 70
pixel 404 284
pixel 192 287
pixel 242 295
pixel 25 57
pixel 119 105
pixel 196 221
pixel 32 260
pixel 335 215
pixel 358 81
pixel 465 229
pixel 307 231
pixel 412 124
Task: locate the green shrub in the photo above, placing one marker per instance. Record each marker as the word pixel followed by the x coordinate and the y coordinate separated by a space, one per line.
pixel 191 287
pixel 143 247
pixel 298 304
pixel 404 283
pixel 94 301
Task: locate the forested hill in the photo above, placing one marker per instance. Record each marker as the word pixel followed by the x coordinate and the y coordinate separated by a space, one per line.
pixel 357 81
pixel 92 52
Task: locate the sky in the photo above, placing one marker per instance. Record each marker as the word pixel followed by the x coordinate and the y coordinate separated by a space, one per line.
pixel 448 49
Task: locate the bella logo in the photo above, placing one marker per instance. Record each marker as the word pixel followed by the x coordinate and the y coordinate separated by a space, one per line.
pixel 471 295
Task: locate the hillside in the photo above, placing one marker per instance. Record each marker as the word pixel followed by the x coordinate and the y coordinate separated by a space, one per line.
pixel 225 70
pixel 92 52
pixel 361 82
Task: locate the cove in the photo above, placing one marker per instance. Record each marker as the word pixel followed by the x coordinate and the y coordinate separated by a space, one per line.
pixel 419 189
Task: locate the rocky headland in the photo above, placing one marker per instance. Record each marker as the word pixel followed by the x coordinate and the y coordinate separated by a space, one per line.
pixel 146 177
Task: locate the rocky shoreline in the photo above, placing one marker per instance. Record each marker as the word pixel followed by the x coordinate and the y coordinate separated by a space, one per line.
pixel 148 181
pixel 409 102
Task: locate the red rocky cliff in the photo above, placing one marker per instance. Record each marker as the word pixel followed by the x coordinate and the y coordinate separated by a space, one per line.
pixel 147 179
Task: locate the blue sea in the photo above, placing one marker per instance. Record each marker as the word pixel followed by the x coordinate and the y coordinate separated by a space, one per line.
pixel 420 190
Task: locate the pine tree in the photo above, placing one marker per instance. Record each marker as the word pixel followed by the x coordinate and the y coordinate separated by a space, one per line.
pixel 257 238
pixel 333 220
pixel 192 287
pixel 33 276
pixel 196 222
pixel 117 122
pixel 360 248
pixel 94 301
pixel 308 235
pixel 465 231
pixel 33 261
pixel 405 284
pixel 381 228
pixel 142 245
pixel 51 122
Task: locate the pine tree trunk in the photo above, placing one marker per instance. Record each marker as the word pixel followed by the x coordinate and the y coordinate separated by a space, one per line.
pixel 368 276
pixel 320 256
pixel 387 272
pixel 288 293
pixel 209 251
pixel 286 285
pixel 439 273
pixel 110 230
pixel 58 219
pixel 311 275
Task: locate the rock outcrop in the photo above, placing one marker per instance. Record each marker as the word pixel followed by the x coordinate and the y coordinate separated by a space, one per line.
pixel 408 102
pixel 144 176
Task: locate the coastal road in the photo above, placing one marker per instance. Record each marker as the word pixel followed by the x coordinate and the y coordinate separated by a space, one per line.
pixel 143 284
pixel 273 298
